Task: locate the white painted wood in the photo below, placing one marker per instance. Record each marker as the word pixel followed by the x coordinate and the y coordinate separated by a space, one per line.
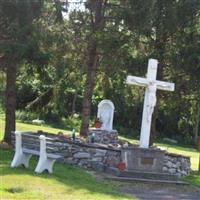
pixel 23 155
pixel 20 158
pixel 45 162
pixel 151 85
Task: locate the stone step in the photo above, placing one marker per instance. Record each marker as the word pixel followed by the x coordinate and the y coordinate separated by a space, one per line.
pixel 141 175
pixel 148 175
pixel 158 181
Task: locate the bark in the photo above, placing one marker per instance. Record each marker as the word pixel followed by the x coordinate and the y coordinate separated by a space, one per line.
pixel 196 128
pixel 96 25
pixel 199 162
pixel 74 104
pixel 11 73
pixel 90 83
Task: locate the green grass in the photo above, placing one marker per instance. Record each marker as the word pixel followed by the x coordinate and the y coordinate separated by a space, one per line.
pixel 194 179
pixel 66 182
pixel 30 127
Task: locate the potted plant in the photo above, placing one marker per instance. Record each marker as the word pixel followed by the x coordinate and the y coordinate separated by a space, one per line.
pixel 121 166
pixel 97 123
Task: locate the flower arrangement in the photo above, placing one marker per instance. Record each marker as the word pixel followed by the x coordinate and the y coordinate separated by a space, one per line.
pixel 98 123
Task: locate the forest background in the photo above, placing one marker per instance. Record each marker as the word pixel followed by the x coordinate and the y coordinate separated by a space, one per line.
pixel 59 59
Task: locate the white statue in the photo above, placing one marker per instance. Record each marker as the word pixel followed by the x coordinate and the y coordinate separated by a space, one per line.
pixel 105 114
pixel 151 100
pixel 151 85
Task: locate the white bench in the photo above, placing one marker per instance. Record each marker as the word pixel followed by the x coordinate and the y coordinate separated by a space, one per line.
pixel 34 145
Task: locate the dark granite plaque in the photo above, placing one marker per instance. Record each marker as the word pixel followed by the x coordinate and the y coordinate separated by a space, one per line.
pixel 147 161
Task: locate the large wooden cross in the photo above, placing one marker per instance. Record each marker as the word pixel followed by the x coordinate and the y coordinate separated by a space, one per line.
pixel 151 85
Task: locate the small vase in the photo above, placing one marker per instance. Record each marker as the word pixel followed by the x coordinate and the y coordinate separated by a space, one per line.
pixel 97 125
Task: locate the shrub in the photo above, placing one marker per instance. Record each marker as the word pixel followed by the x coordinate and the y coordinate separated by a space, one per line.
pixel 26 116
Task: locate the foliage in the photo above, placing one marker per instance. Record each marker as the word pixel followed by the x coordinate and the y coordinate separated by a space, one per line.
pixel 53 64
pixel 26 116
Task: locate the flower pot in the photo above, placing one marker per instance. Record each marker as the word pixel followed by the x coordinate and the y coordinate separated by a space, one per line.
pixel 97 124
pixel 121 166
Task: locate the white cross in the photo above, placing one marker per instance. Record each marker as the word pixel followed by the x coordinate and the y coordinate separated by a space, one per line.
pixel 151 85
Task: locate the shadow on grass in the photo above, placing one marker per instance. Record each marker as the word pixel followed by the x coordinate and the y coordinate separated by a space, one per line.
pixel 65 174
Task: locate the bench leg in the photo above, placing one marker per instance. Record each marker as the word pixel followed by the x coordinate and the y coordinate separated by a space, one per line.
pixel 21 159
pixel 45 164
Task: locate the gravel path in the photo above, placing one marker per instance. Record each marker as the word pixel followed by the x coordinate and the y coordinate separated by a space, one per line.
pixel 152 191
pixel 162 192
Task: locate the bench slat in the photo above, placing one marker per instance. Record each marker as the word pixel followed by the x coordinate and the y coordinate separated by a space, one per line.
pixel 31 151
pixel 53 156
pixel 35 152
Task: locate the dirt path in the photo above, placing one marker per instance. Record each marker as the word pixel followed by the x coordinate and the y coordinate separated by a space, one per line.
pixel 162 192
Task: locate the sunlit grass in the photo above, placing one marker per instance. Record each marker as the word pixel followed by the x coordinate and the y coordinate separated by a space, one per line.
pixel 66 182
pixel 30 127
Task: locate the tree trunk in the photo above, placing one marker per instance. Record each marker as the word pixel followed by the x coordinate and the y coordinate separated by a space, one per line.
pixel 96 25
pixel 90 83
pixel 74 103
pixel 196 128
pixel 11 73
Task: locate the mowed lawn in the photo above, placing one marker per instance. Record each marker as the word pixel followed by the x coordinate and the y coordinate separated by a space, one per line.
pixel 30 127
pixel 66 182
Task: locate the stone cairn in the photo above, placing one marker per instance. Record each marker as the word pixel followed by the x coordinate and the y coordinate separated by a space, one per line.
pixel 104 136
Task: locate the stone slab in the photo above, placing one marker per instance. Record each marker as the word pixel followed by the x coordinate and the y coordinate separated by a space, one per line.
pixel 142 159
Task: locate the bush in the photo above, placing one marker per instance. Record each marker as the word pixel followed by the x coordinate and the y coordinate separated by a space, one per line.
pixel 73 123
pixel 26 116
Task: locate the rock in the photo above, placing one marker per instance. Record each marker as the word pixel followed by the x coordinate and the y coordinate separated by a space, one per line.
pixel 184 173
pixel 178 164
pixel 169 164
pixel 170 140
pixel 172 171
pixel 103 136
pixel 83 163
pixel 97 159
pixel 165 169
pixel 112 161
pixel 38 121
pixel 70 161
pixel 4 145
pixel 101 151
pixel 81 155
pixel 98 166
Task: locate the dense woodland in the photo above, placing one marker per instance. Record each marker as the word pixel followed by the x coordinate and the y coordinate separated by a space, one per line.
pixel 59 59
